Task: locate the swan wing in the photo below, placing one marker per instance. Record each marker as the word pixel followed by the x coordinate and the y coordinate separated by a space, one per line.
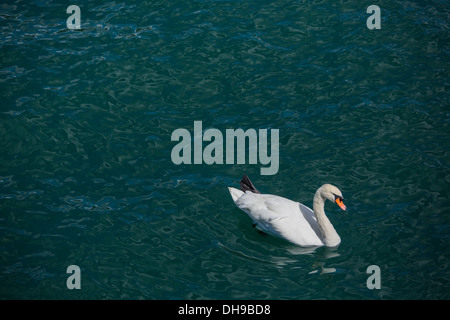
pixel 282 217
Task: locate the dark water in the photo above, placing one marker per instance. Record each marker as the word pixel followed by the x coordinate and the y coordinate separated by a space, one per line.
pixel 86 176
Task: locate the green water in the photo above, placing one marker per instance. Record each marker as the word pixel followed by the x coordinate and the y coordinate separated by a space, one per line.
pixel 87 179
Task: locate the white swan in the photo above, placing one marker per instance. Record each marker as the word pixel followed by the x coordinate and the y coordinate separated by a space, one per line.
pixel 289 219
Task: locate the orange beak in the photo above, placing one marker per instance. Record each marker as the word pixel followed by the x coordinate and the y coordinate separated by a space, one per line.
pixel 340 203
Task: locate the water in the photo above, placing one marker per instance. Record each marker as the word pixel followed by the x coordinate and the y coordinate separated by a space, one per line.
pixel 86 176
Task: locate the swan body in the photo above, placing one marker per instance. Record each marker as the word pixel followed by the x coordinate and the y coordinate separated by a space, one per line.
pixel 289 219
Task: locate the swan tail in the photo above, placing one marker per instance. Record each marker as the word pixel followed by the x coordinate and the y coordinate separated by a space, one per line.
pixel 247 185
pixel 235 193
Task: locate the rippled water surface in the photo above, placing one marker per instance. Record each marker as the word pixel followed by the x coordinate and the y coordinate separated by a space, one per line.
pixel 87 179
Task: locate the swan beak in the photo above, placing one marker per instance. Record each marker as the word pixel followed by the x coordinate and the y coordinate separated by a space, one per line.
pixel 340 203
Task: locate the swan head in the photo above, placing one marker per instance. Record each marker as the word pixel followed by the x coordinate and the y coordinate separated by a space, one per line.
pixel 332 193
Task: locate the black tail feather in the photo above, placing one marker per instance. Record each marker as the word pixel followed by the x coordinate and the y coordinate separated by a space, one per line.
pixel 247 185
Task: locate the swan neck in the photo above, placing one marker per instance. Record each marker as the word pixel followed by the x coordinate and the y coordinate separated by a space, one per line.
pixel 329 234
